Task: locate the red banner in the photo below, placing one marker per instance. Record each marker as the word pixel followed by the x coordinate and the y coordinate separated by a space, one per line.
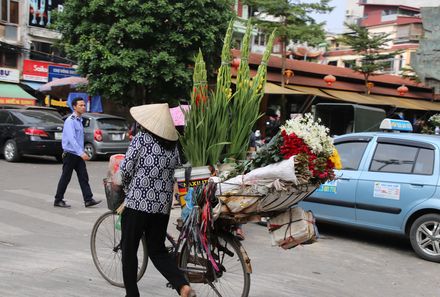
pixel 17 101
pixel 37 70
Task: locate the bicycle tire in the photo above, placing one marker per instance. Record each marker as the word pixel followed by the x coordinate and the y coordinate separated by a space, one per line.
pixel 106 251
pixel 228 283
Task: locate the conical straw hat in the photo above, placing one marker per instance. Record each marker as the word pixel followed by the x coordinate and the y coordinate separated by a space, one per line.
pixel 156 118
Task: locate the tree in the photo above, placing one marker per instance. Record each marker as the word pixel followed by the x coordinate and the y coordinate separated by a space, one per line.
pixel 371 47
pixel 137 51
pixel 292 21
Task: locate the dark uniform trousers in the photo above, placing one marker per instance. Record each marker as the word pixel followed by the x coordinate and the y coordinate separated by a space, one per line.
pixel 73 162
pixel 134 224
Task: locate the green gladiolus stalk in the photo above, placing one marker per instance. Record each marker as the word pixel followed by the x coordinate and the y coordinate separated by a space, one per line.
pixel 245 109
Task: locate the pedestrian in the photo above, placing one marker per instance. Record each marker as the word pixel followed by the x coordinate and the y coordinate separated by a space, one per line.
pixel 74 157
pixel 148 178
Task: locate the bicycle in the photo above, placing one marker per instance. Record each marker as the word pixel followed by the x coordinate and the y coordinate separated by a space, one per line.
pixel 227 275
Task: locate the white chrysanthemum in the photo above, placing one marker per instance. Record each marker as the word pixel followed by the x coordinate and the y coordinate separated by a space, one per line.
pixel 435 119
pixel 312 133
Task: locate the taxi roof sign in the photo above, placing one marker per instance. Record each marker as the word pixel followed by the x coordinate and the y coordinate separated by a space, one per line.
pixel 396 125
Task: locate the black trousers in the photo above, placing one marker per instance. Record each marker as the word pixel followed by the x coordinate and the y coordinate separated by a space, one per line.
pixel 73 162
pixel 134 223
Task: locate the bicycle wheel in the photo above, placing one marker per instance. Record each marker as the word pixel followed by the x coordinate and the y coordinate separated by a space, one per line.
pixel 105 243
pixel 231 281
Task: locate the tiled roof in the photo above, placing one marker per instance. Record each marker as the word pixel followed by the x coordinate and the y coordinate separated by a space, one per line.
pixel 312 74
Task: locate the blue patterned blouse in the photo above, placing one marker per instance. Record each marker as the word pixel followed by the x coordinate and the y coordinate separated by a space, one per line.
pixel 148 174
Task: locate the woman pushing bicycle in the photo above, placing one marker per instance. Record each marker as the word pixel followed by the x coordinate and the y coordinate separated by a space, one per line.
pixel 148 179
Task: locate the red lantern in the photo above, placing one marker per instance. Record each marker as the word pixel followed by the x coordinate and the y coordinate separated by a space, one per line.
pixel 402 90
pixel 370 85
pixel 236 63
pixel 288 74
pixel 329 79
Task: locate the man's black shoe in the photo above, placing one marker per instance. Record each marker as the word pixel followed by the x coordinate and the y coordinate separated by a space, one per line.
pixel 61 203
pixel 91 202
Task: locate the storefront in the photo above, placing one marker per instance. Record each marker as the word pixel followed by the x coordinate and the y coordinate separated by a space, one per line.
pixel 10 92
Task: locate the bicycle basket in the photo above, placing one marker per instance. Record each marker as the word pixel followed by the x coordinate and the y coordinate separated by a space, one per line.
pixel 114 194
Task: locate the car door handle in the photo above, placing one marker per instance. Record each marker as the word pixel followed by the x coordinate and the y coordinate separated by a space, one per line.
pixel 343 178
pixel 417 185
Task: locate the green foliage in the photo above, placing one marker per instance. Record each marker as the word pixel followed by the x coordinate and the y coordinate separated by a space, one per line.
pixel 268 154
pixel 409 73
pixel 245 105
pixel 295 22
pixel 221 118
pixel 370 47
pixel 136 51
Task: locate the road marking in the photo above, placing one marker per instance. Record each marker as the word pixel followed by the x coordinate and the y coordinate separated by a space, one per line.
pixel 32 194
pixel 7 230
pixel 49 199
pixel 78 191
pixel 48 216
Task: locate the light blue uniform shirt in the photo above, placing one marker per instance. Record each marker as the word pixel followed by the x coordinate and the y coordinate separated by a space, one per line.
pixel 73 135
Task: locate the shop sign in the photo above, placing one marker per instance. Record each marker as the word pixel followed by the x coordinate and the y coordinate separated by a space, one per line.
pixel 17 101
pixel 9 75
pixel 56 72
pixel 35 70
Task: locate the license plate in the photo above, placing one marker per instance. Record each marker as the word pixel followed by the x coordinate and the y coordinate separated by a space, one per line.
pixel 58 135
pixel 116 136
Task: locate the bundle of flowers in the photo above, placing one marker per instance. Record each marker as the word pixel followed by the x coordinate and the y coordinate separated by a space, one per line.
pixel 310 144
pixel 220 121
pixel 435 120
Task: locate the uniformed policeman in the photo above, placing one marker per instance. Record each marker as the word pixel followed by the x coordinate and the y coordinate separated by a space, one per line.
pixel 74 157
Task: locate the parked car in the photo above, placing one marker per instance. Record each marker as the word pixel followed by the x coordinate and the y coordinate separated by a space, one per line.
pixel 389 182
pixel 48 109
pixel 105 134
pixel 30 132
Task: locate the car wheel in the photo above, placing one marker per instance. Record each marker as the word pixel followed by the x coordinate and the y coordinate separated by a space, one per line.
pixel 425 237
pixel 89 149
pixel 10 151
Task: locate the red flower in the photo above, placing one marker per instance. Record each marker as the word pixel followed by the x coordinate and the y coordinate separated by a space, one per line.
pixel 321 168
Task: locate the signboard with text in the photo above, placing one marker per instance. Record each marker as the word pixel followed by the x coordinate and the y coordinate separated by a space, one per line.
pixel 17 101
pixel 9 75
pixel 37 70
pixel 56 72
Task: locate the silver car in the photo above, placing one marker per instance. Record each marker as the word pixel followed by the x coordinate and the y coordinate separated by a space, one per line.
pixel 105 134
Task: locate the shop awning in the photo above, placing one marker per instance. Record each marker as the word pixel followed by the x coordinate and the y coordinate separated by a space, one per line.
pixel 354 97
pixel 310 91
pixel 402 102
pixel 271 88
pixel 429 105
pixel 13 94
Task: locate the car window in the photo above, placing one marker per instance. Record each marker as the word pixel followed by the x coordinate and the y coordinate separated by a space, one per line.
pixel 49 111
pixel 396 158
pixel 3 116
pixel 112 124
pixel 351 154
pixel 86 122
pixel 37 117
pixel 425 162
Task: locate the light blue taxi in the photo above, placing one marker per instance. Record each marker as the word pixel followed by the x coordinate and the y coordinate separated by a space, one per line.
pixel 388 182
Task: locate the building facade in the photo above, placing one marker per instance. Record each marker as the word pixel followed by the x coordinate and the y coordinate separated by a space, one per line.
pixel 402 23
pixel 27 41
pixel 355 10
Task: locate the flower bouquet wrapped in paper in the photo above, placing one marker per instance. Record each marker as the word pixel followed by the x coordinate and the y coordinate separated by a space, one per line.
pixel 297 160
